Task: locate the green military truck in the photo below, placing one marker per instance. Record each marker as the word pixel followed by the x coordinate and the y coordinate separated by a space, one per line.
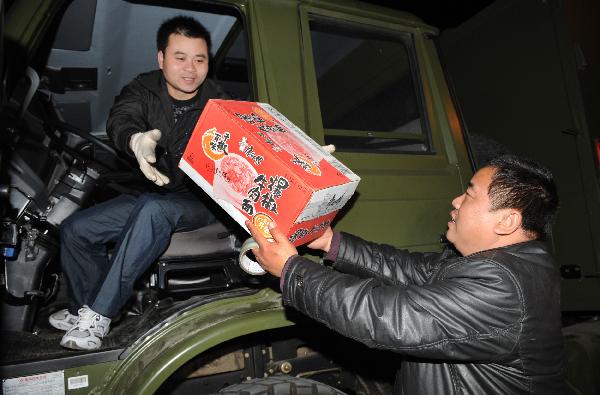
pixel 362 77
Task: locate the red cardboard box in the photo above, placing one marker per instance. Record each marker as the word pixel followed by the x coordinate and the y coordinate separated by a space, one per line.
pixel 258 165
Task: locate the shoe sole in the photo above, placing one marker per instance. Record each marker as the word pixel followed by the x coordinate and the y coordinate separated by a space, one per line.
pixel 74 346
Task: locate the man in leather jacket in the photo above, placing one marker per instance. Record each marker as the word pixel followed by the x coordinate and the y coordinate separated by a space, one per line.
pixel 152 117
pixel 485 320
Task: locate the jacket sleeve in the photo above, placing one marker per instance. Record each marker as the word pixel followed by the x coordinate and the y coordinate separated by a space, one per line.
pixel 127 116
pixel 461 317
pixel 389 264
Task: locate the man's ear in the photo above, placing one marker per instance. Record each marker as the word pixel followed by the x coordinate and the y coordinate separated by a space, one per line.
pixel 160 57
pixel 510 222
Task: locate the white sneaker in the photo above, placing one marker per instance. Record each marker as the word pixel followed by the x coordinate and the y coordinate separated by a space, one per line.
pixel 62 320
pixel 88 331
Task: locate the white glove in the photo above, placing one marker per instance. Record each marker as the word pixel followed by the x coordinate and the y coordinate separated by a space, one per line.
pixel 330 148
pixel 143 145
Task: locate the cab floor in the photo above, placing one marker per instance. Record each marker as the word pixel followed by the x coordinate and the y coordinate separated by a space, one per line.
pixel 43 343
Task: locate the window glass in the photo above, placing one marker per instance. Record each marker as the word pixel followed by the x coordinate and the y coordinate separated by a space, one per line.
pixel 75 30
pixel 368 90
pixel 232 65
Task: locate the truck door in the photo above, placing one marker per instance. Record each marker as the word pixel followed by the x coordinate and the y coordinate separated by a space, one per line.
pixel 374 88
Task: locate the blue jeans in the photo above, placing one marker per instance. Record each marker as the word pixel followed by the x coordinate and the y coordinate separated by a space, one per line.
pixel 140 229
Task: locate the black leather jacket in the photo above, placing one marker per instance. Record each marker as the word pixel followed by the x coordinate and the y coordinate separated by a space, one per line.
pixel 488 323
pixel 144 104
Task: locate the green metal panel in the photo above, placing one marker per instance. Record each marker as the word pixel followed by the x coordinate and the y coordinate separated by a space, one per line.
pixel 153 359
pixel 277 44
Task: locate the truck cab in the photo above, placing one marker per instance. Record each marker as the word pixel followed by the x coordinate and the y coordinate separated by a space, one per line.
pixel 365 78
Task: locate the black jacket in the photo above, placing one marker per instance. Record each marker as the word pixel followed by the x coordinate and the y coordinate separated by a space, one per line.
pixel 488 323
pixel 145 104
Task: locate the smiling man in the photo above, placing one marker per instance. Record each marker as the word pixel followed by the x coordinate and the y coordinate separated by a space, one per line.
pixel 485 320
pixel 184 63
pixel 157 109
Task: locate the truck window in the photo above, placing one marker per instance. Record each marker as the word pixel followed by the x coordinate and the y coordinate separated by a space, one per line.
pixel 231 64
pixel 368 88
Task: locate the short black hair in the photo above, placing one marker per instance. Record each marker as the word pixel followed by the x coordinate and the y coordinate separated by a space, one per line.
pixel 524 185
pixel 184 25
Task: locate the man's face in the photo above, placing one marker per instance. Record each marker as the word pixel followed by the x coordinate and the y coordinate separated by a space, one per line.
pixel 471 228
pixel 184 64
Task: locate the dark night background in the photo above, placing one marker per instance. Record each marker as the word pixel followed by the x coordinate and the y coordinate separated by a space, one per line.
pixel 442 14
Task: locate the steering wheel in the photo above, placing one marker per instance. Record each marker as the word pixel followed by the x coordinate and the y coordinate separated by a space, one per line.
pixel 88 137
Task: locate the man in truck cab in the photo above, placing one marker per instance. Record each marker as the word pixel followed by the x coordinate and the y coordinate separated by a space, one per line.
pixel 158 109
pixel 481 318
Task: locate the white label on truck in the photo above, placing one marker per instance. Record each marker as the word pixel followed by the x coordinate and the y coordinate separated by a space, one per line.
pixel 77 382
pixel 52 383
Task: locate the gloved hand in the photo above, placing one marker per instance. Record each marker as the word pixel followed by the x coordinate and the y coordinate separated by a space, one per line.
pixel 143 145
pixel 330 148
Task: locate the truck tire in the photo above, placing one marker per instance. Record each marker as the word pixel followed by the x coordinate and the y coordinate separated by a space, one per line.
pixel 280 385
